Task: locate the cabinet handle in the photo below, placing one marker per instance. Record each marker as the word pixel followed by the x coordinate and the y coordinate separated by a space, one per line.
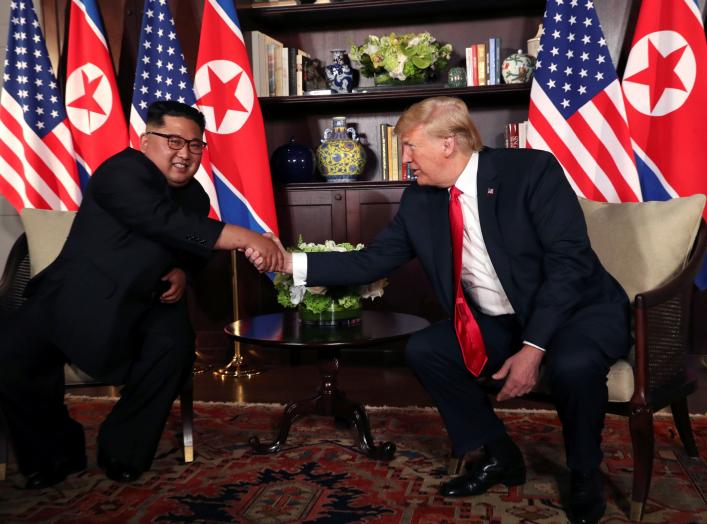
pixel 337 196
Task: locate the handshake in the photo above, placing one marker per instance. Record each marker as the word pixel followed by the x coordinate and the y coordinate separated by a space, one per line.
pixel 267 254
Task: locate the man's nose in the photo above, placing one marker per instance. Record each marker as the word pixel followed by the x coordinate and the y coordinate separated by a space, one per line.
pixel 407 157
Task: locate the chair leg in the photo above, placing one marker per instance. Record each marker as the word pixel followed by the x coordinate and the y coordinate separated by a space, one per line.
pixel 641 427
pixel 187 410
pixel 681 417
pixel 455 465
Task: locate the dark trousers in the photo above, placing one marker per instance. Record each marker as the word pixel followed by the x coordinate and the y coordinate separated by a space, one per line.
pixel 32 389
pixel 575 365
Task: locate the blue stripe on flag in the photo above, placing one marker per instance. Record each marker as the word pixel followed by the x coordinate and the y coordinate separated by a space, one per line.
pixel 93 13
pixel 230 9
pixel 84 176
pixel 651 186
pixel 233 210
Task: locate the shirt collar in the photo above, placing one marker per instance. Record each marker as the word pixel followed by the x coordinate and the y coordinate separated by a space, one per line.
pixel 467 180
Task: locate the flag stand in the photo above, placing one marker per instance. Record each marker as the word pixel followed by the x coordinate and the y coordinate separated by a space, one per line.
pixel 237 366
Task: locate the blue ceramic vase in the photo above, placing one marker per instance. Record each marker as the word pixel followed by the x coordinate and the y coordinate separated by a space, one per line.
pixel 339 73
pixel 292 163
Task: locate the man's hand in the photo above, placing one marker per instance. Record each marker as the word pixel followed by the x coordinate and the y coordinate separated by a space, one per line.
pixel 265 252
pixel 177 284
pixel 256 258
pixel 520 371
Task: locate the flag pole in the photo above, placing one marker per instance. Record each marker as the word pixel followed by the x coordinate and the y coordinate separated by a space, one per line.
pixel 236 367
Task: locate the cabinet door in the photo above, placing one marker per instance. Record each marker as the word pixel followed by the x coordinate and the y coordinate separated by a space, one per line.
pixel 315 214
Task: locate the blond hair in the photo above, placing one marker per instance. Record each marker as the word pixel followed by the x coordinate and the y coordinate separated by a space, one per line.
pixel 442 116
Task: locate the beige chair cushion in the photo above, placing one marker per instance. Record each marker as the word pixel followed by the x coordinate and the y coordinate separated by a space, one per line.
pixel 643 244
pixel 620 382
pixel 46 233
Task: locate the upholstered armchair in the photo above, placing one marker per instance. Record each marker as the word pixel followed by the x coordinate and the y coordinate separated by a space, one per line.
pixel 654 250
pixel 44 236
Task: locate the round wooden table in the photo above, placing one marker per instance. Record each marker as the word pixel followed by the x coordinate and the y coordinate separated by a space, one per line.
pixel 284 330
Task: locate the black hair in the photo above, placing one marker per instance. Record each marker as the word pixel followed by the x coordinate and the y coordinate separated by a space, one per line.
pixel 157 111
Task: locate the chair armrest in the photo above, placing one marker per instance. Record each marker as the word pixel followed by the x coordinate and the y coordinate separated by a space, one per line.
pixel 662 325
pixel 15 276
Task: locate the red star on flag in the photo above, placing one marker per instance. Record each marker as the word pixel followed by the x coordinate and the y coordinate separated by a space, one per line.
pixel 88 101
pixel 660 74
pixel 222 96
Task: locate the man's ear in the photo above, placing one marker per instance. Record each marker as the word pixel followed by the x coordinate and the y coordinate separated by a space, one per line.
pixel 143 142
pixel 449 145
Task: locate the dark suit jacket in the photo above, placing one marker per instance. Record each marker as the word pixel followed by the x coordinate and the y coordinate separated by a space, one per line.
pixel 130 230
pixel 533 228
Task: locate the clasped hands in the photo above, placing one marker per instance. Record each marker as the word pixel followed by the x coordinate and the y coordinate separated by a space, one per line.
pixel 267 254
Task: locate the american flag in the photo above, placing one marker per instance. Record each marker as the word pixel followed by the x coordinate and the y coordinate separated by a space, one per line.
pixel 37 163
pixel 162 75
pixel 93 105
pixel 234 124
pixel 577 109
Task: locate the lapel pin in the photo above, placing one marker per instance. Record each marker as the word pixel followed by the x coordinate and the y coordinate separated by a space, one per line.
pixel 490 191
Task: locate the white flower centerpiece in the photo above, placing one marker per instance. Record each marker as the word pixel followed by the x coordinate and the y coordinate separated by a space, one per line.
pixel 410 58
pixel 336 305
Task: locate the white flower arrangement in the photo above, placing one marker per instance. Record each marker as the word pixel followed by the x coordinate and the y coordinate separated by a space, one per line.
pixel 317 299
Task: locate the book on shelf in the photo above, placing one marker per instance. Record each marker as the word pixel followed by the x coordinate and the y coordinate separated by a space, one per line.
pixel 383 150
pixel 515 134
pixel 481 63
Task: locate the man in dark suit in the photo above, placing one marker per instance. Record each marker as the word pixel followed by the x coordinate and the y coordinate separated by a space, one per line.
pixel 113 304
pixel 526 288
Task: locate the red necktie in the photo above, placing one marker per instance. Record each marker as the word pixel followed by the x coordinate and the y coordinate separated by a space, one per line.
pixel 468 332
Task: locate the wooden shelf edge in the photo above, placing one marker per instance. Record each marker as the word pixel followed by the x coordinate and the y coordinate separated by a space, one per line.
pixel 397 94
pixel 363 184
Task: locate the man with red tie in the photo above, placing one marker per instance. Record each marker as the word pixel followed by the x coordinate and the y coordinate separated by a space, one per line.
pixel 502 238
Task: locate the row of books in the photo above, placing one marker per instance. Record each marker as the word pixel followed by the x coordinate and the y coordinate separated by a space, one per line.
pixel 280 70
pixel 515 134
pixel 483 63
pixel 391 156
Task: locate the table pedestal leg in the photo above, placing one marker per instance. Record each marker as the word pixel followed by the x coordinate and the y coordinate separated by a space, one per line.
pixel 328 401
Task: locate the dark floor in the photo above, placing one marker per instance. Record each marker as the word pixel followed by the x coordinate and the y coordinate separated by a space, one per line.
pixel 370 378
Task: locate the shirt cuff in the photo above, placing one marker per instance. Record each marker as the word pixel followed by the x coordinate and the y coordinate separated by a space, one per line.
pixel 524 342
pixel 299 269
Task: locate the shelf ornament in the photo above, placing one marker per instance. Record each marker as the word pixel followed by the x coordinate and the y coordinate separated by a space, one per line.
pixel 340 156
pixel 334 306
pixel 410 58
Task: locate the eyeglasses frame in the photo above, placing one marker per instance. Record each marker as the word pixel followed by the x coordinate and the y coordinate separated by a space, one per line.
pixel 187 143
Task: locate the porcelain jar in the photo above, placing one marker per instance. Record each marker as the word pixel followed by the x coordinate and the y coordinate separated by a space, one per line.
pixel 518 68
pixel 339 73
pixel 340 157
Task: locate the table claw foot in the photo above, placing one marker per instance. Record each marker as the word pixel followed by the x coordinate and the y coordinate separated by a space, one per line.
pixel 384 451
pixel 292 412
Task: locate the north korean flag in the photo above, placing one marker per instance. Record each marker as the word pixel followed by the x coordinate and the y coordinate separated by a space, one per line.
pixel 93 106
pixel 234 124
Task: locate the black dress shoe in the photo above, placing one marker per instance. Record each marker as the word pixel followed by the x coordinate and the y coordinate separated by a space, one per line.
pixel 56 472
pixel 482 475
pixel 117 470
pixel 587 502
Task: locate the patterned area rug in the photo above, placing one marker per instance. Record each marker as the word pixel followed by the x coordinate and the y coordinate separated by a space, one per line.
pixel 320 478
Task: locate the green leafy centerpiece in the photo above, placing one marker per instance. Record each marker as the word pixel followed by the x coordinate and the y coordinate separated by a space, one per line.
pixel 333 306
pixel 411 58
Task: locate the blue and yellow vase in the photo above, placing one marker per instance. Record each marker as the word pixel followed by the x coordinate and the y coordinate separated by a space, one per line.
pixel 340 157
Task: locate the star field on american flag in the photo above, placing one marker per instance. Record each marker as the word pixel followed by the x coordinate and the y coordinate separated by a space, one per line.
pixel 28 75
pixel 573 60
pixel 161 72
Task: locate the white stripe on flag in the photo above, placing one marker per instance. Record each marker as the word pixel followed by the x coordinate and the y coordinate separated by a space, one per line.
pixel 137 124
pixel 30 175
pixel 227 20
pixel 13 178
pixel 91 24
pixel 536 141
pixel 607 135
pixel 57 168
pixel 655 169
pixel 574 144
